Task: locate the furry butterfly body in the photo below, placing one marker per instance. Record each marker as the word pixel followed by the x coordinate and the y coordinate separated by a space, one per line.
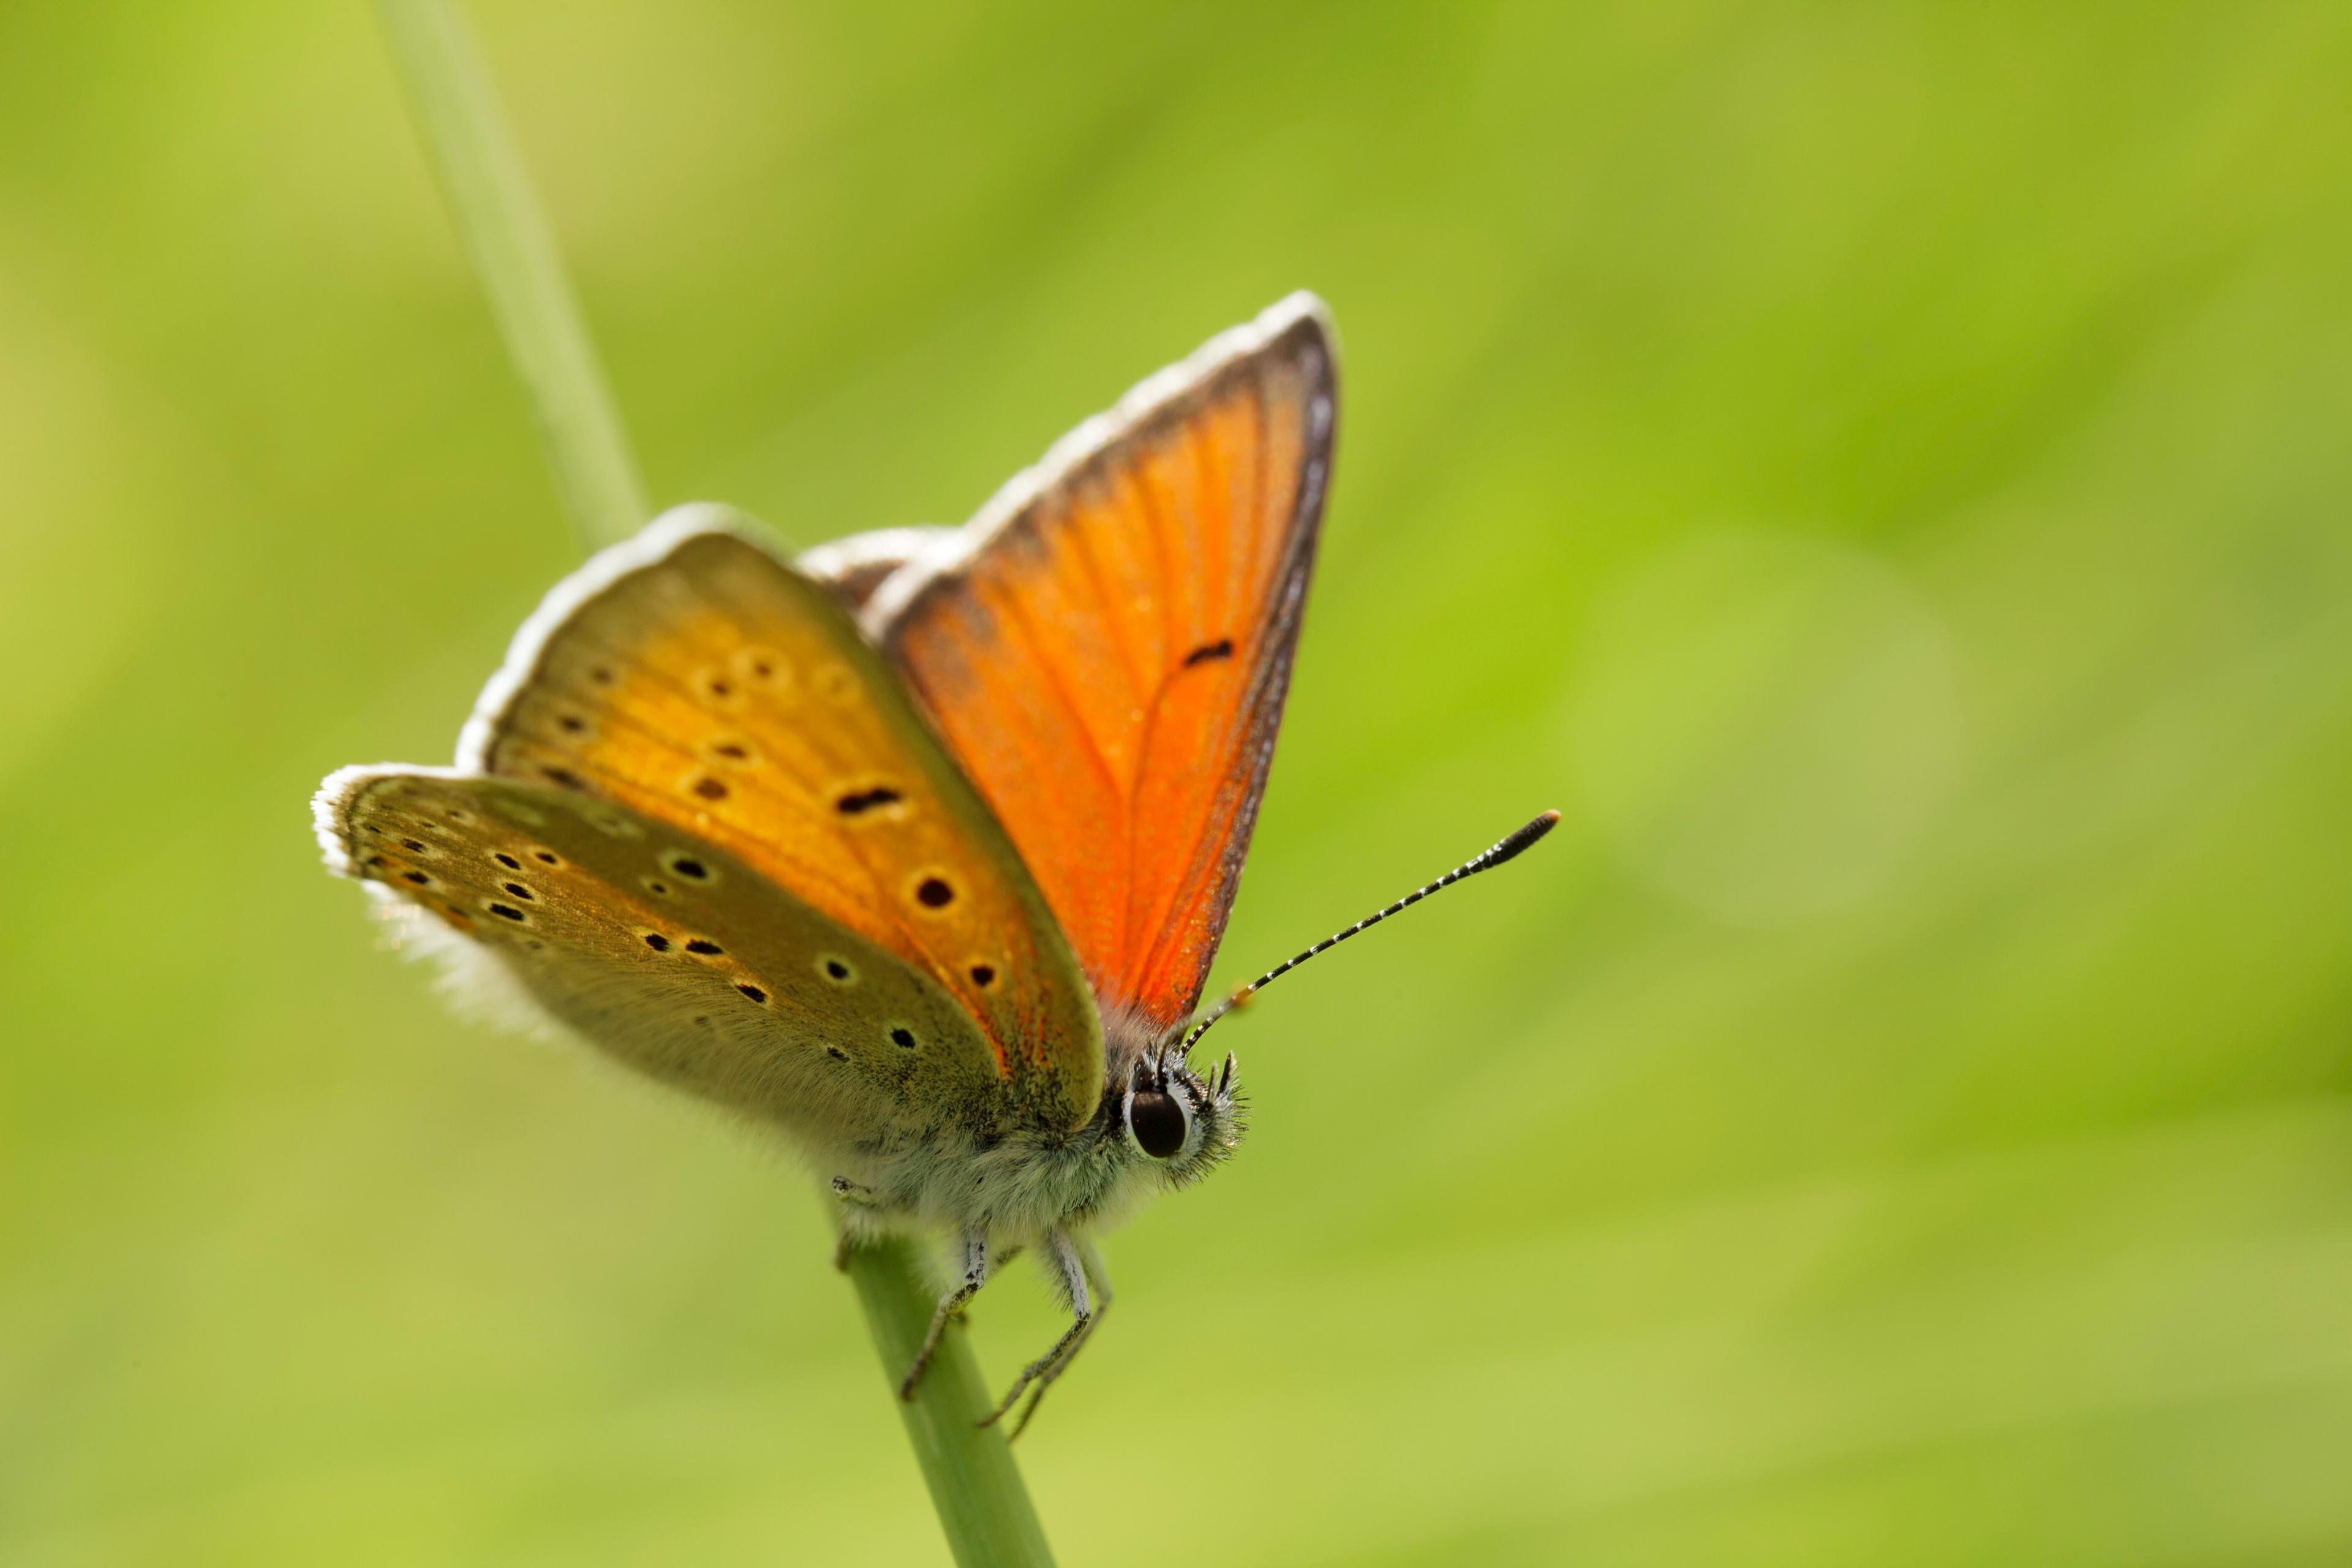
pixel 919 849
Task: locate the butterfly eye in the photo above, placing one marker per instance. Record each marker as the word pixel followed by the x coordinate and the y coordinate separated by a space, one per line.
pixel 1156 1122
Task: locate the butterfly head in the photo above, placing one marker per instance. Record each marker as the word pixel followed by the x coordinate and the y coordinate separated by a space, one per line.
pixel 1181 1122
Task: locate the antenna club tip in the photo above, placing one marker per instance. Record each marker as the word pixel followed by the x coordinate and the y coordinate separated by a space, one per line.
pixel 1525 836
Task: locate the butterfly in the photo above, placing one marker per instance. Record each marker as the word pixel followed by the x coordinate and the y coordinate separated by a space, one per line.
pixel 918 848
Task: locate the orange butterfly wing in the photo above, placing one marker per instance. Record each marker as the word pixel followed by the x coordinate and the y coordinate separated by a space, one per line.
pixel 691 676
pixel 1107 648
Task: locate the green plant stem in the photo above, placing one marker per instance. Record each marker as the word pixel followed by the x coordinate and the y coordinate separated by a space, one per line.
pixel 514 254
pixel 982 1505
pixel 975 1486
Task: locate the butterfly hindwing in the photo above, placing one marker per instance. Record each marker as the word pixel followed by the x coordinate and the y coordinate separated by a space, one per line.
pixel 1107 648
pixel 694 678
pixel 672 954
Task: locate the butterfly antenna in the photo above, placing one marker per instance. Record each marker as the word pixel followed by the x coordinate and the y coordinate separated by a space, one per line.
pixel 1509 846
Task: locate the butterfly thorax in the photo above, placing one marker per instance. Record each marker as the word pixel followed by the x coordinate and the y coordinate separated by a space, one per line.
pixel 1157 1126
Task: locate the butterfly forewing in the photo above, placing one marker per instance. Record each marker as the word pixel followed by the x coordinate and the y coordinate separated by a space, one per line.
pixel 673 956
pixel 697 680
pixel 1108 651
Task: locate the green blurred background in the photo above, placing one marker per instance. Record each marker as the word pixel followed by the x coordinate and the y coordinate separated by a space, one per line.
pixel 1882 470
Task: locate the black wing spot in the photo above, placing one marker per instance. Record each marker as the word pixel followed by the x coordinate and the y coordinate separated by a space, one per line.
pixel 657 941
pixel 505 911
pixel 865 800
pixel 546 856
pixel 903 1038
pixel 656 887
pixel 839 972
pixel 601 676
pixel 753 991
pixel 572 723
pixel 983 974
pixel 563 778
pixel 414 844
pixel 1221 648
pixel 692 869
pixel 836 1053
pixel 520 891
pixel 508 861
pixel 733 750
pixel 709 788
pixel 755 664
pixel 419 878
pixel 934 893
pixel 706 947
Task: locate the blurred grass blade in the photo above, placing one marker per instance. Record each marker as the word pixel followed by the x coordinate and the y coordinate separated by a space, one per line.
pixel 514 253
pixel 982 1506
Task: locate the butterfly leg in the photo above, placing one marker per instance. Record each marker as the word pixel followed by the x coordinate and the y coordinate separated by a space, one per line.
pixel 1099 1278
pixel 975 1275
pixel 1083 1280
pixel 853 1194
